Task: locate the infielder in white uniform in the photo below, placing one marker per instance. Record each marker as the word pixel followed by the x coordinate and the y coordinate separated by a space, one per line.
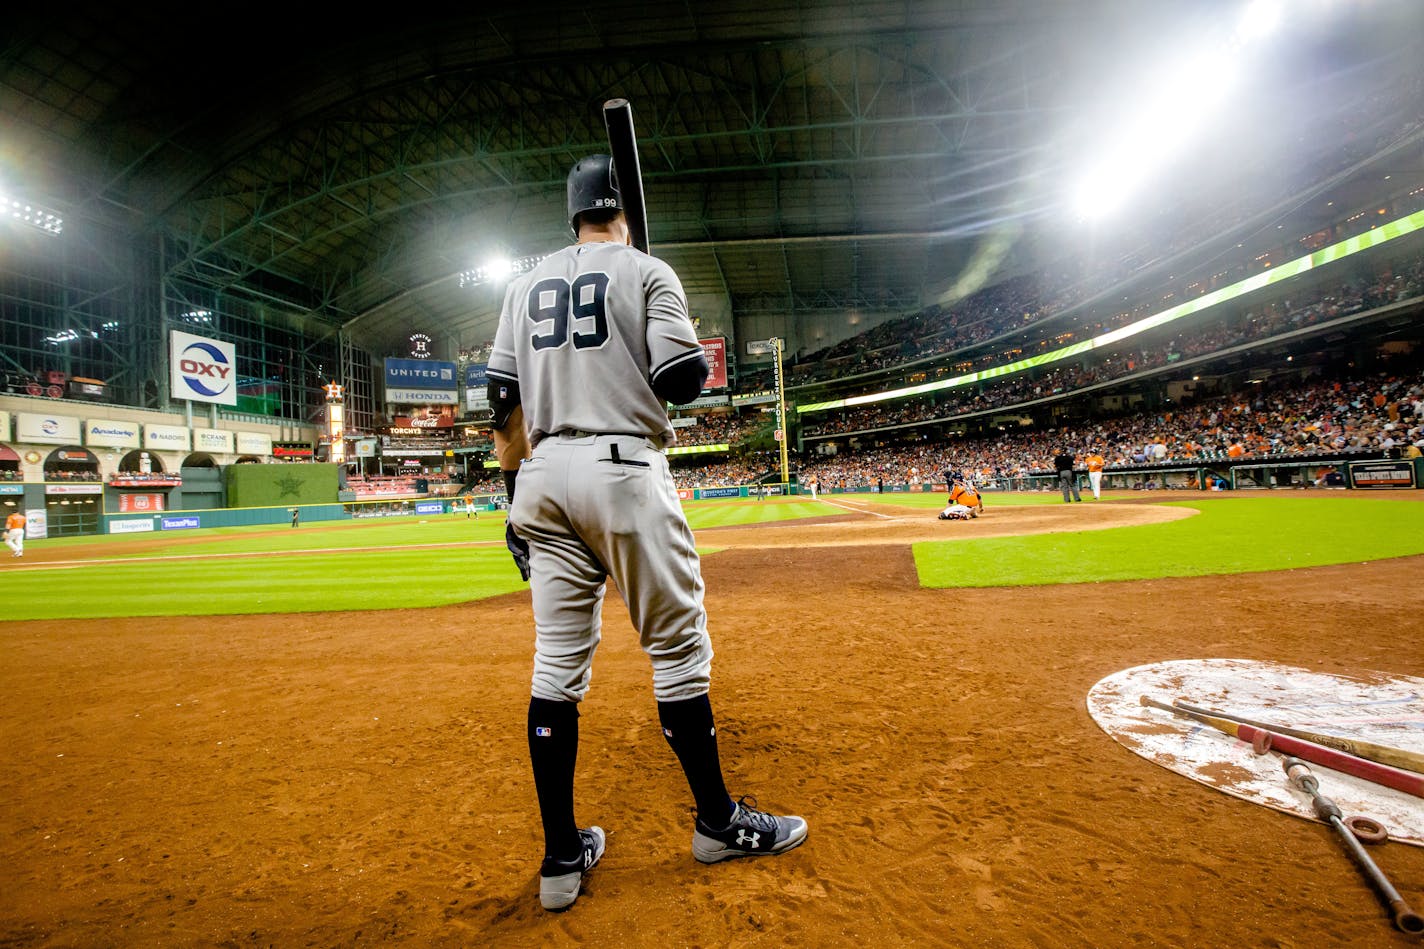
pixel 592 344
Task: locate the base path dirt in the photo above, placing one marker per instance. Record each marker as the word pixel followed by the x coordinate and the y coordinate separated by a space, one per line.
pixel 361 779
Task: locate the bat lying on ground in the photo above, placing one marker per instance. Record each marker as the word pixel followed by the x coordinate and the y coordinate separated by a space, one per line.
pixel 1327 810
pixel 1384 754
pixel 1263 740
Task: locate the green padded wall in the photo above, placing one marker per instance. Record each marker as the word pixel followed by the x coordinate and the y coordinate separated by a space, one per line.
pixel 276 485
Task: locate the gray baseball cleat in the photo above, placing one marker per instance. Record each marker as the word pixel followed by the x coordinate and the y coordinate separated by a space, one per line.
pixel 751 833
pixel 559 880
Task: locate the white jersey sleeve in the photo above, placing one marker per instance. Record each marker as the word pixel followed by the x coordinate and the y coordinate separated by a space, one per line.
pixel 671 338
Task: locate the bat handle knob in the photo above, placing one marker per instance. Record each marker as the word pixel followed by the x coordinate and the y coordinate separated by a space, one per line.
pixel 1299 774
pixel 1406 919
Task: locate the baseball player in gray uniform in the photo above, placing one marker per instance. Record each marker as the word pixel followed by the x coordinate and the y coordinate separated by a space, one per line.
pixel 592 344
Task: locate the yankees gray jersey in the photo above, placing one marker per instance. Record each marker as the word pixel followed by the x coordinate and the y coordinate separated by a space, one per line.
pixel 585 333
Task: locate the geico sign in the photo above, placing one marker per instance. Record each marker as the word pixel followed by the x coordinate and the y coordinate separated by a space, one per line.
pixel 205 368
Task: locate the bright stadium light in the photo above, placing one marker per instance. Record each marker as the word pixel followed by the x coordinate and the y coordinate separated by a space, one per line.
pixel 1258 20
pixel 22 211
pixel 498 268
pixel 1178 102
pixel 1160 123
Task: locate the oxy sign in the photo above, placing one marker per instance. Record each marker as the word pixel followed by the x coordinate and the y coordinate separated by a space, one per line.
pixel 201 369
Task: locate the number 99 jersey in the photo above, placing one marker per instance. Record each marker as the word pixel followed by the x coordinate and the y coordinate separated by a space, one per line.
pixel 585 334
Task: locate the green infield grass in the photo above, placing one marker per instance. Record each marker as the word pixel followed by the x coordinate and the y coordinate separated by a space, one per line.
pixel 380 563
pixel 434 561
pixel 1227 535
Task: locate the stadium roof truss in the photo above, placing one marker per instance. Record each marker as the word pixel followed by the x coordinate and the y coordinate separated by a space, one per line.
pixel 802 162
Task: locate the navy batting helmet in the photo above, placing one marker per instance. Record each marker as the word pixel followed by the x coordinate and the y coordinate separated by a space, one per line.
pixel 593 185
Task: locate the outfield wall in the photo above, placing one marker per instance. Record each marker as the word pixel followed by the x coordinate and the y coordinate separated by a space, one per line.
pixel 281 515
pixel 271 485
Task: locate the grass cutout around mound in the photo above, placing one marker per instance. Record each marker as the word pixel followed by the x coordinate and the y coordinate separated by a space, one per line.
pixel 1228 535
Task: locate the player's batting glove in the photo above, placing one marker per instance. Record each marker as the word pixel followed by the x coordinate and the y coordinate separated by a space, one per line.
pixel 518 548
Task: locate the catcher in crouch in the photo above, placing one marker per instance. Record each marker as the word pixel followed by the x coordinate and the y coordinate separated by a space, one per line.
pixel 964 502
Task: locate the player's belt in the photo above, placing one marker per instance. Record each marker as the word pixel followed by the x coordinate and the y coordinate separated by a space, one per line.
pixel 581 433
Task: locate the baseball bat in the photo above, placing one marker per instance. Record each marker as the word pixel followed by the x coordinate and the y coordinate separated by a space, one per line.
pixel 623 146
pixel 1262 739
pixel 1405 919
pixel 1384 754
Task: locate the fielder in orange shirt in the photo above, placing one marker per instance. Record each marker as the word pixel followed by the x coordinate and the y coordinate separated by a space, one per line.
pixel 1095 463
pixel 15 533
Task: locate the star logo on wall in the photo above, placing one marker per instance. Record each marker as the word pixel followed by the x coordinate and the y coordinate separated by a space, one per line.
pixel 289 487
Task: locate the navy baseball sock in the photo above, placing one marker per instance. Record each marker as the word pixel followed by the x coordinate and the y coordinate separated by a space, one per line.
pixel 553 750
pixel 690 730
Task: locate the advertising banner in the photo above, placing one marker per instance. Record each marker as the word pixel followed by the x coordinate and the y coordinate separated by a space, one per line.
pixel 300 450
pixel 140 503
pixel 707 402
pixel 429 507
pixel 476 388
pixel 212 439
pixel 102 433
pixel 720 493
pixel 47 429
pixel 74 489
pixel 130 525
pixel 36 525
pixel 167 437
pixel 422 396
pixel 420 382
pixel 715 350
pixel 1382 474
pixel 429 417
pixel 181 523
pixel 202 369
pixel 252 443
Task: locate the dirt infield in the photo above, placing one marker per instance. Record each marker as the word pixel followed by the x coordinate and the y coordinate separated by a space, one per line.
pixel 351 779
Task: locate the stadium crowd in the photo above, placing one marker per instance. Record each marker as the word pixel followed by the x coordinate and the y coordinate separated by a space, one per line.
pixel 1378 415
pixel 1024 301
pixel 717 428
pixel 1383 414
pixel 1388 285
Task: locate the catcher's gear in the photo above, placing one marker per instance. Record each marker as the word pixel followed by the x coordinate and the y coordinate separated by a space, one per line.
pixel 592 185
pixel 518 549
pixel 958 512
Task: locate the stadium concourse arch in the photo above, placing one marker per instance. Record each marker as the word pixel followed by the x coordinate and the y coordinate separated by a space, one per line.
pixel 73 491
